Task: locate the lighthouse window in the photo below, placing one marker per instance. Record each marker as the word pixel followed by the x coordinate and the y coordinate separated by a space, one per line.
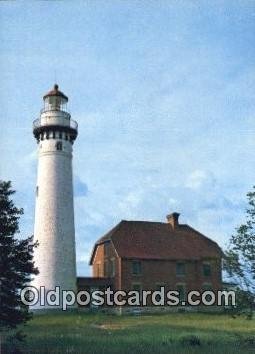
pixel 59 145
pixel 37 191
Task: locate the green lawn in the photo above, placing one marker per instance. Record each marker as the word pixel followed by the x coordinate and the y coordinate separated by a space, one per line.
pixel 166 333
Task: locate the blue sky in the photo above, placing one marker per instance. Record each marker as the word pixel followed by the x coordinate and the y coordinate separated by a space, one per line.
pixel 164 95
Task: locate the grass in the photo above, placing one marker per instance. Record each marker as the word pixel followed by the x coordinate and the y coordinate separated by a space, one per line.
pixel 165 333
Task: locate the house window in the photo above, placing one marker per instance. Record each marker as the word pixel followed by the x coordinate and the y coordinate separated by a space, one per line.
pixel 206 286
pixel 159 286
pixel 181 290
pixel 107 248
pixel 59 145
pixel 106 270
pixel 180 268
pixel 97 270
pixel 137 287
pixel 112 267
pixel 136 267
pixel 207 269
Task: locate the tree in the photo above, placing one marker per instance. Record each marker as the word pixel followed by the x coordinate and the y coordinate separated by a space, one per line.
pixel 240 258
pixel 16 262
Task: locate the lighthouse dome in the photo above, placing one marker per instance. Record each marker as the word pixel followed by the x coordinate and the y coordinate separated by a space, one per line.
pixel 55 99
pixel 55 92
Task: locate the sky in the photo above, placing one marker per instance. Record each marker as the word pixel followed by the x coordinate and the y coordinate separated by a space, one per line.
pixel 163 92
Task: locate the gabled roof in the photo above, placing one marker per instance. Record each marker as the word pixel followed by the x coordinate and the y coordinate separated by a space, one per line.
pixel 157 240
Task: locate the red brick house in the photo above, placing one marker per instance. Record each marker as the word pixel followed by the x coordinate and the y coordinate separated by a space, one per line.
pixel 143 255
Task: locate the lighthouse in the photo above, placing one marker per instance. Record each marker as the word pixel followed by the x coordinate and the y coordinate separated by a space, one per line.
pixel 54 230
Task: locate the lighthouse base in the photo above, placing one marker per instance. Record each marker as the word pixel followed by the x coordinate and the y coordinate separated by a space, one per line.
pixel 57 299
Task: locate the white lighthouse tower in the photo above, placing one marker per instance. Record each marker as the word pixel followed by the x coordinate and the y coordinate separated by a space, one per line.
pixel 55 133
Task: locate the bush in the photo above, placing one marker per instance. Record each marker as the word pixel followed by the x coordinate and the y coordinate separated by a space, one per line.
pixel 12 342
pixel 191 340
pixel 249 341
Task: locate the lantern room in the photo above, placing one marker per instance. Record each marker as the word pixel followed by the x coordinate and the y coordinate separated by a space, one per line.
pixel 55 100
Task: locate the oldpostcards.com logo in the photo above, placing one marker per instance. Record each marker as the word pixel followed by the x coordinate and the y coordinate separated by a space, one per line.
pixel 63 299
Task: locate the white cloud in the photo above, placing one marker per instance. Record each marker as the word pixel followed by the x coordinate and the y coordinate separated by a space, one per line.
pixel 199 178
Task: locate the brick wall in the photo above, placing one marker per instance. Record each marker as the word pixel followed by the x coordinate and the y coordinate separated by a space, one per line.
pixel 107 264
pixel 155 273
pixel 163 272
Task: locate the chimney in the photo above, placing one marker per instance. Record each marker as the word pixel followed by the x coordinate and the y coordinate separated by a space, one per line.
pixel 173 219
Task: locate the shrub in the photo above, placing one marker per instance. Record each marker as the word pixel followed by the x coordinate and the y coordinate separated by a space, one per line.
pixel 191 340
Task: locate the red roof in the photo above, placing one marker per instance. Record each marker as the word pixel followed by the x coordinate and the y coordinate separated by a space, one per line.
pixel 157 240
pixel 55 92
